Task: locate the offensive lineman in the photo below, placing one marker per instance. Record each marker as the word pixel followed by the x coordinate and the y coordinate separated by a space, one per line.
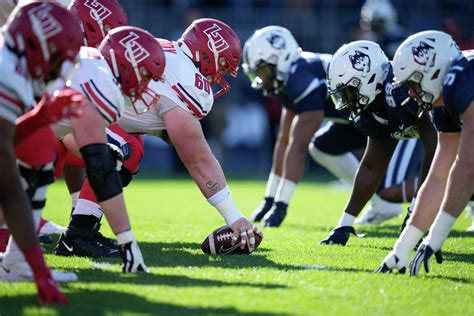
pixel 207 50
pixel 28 71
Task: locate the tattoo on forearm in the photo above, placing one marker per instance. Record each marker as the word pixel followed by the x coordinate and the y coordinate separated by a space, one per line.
pixel 213 186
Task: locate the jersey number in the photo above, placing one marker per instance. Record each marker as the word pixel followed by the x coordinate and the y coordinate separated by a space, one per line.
pixel 202 84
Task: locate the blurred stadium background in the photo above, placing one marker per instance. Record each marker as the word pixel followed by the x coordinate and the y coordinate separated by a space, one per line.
pixel 242 125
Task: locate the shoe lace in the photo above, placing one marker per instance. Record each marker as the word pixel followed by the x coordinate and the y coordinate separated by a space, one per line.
pixel 92 247
pixel 106 242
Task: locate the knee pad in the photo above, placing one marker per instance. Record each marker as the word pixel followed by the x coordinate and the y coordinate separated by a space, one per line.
pixel 36 177
pixel 125 176
pixel 101 171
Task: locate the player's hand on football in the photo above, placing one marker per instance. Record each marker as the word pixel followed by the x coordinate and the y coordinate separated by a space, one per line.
pixel 66 103
pixel 422 256
pixel 132 257
pixel 244 229
pixel 48 291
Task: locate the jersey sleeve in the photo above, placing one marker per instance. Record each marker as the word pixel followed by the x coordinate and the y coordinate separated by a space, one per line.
pixel 16 91
pixel 306 91
pixel 457 88
pixel 445 121
pixel 100 88
pixel 11 106
pixel 195 95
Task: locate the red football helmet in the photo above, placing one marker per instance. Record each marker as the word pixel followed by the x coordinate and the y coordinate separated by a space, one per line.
pixel 136 58
pixel 97 18
pixel 215 50
pixel 47 35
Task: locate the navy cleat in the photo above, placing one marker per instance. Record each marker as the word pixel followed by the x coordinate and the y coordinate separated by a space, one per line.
pixel 276 215
pixel 262 210
pixel 340 236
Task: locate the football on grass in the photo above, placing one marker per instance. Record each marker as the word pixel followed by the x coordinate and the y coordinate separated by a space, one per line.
pixel 219 243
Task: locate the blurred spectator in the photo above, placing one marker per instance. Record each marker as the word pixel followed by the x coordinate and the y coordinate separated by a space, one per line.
pixel 380 17
pixel 450 26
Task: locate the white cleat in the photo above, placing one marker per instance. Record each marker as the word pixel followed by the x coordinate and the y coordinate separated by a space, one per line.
pixel 21 272
pixel 50 228
pixel 379 211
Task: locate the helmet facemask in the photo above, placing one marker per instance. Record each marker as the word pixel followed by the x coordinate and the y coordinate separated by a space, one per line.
pixel 348 97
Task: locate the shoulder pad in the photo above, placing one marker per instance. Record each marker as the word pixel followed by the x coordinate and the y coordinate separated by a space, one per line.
pixel 15 78
pixel 95 80
pixel 191 89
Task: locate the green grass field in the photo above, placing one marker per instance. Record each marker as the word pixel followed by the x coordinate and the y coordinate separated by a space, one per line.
pixel 288 274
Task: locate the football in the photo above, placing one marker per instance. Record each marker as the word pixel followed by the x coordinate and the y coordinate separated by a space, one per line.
pixel 219 243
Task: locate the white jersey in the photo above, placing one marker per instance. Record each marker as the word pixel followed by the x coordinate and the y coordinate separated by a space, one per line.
pixel 182 85
pixel 16 86
pixel 95 80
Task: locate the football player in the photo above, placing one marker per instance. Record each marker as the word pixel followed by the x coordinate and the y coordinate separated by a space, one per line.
pixel 83 237
pixel 276 65
pixel 207 50
pixel 119 72
pixel 36 52
pixel 360 84
pixel 440 77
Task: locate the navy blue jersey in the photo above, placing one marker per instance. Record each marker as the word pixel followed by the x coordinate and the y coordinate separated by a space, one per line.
pixel 394 120
pixel 458 93
pixel 305 87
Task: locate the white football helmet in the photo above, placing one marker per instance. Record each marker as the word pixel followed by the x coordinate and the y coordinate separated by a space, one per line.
pixel 356 74
pixel 378 16
pixel 268 55
pixel 423 59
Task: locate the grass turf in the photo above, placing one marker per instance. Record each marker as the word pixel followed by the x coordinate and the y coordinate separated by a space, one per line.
pixel 288 274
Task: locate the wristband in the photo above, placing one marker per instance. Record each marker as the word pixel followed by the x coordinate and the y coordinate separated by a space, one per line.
pixel 223 202
pixel 125 237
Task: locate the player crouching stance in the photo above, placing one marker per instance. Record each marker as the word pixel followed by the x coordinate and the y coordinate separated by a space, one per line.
pixel 132 57
pixel 207 50
pixel 40 43
pixel 360 84
pixel 440 77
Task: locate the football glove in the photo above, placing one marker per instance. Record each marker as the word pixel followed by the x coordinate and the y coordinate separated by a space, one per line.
pixel 132 257
pixel 262 209
pixel 423 255
pixel 340 236
pixel 392 261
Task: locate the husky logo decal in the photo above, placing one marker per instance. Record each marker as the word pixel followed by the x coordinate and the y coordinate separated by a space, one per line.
pixel 277 41
pixel 98 11
pixel 135 52
pixel 360 61
pixel 216 41
pixel 424 54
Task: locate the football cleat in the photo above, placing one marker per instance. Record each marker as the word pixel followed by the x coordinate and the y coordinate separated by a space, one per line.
pixel 340 236
pixel 50 228
pixel 262 209
pixel 106 242
pixel 379 212
pixel 276 215
pixel 22 272
pixel 83 247
pixel 392 261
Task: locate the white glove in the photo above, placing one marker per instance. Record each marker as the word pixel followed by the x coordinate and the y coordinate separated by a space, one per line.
pixel 132 257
